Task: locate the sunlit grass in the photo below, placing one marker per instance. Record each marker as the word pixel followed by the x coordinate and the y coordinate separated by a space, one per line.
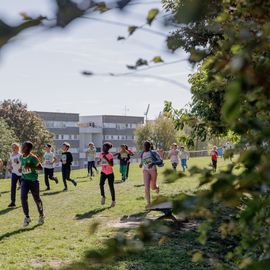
pixel 65 236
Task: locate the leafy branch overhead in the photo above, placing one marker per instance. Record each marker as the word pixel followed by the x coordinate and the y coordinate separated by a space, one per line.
pixel 142 62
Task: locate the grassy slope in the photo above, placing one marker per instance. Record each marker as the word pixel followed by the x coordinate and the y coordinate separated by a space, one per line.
pixel 65 236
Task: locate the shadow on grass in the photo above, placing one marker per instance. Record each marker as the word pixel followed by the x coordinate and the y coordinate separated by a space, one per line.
pixel 173 253
pixel 7 210
pixel 118 182
pixel 91 213
pixel 10 234
pixel 52 193
pixel 4 192
pixel 139 185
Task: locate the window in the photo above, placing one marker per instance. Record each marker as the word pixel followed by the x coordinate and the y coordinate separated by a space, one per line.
pixel 60 124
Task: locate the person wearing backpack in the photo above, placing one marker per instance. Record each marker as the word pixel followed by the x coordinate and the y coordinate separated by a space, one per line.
pixel 150 160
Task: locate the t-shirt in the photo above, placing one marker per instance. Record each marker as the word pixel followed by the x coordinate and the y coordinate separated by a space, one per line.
pixel 214 155
pixel 48 159
pixel 124 158
pixel 16 163
pixel 30 173
pixel 66 159
pixel 91 154
pixel 174 155
pixel 105 166
pixel 184 155
pixel 147 159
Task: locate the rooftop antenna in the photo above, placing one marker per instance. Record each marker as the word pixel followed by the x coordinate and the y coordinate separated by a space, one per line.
pixel 146 113
pixel 126 109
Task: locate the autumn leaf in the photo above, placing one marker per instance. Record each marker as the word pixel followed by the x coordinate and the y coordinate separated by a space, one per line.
pixel 152 14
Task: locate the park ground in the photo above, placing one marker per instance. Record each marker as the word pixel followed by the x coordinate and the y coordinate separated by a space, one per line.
pixel 62 242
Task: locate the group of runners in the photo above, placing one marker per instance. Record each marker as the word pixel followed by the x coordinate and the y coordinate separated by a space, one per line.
pixel 24 166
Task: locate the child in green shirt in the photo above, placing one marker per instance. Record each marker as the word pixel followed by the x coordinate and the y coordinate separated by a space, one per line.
pixel 30 164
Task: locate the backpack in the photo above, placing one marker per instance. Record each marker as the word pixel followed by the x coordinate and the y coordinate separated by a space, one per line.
pixel 156 158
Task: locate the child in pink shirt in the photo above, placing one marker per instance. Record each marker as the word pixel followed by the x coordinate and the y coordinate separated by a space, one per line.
pixel 106 162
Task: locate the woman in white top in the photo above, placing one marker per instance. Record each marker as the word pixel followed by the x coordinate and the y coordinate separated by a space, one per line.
pixel 14 168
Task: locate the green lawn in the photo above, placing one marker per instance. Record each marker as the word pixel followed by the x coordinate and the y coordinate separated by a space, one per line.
pixel 65 237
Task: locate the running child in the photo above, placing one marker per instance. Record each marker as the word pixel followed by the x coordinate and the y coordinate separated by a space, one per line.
pixel 130 154
pixel 29 182
pixel 184 156
pixel 174 156
pixel 48 165
pixel 67 160
pixel 91 154
pixel 106 160
pixel 124 157
pixel 14 168
pixel 149 161
pixel 214 157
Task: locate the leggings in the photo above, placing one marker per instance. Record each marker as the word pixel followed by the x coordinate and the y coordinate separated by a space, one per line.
pixel 110 178
pixel 33 186
pixel 66 170
pixel 150 180
pixel 91 165
pixel 48 174
pixel 14 179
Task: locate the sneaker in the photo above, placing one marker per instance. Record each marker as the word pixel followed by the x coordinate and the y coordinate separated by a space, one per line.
pixel 113 204
pixel 41 220
pixel 74 183
pixel 56 180
pixel 47 189
pixel 65 189
pixel 12 205
pixel 103 199
pixel 26 221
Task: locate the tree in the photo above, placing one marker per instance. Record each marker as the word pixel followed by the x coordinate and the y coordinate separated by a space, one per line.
pixel 26 125
pixel 7 137
pixel 160 132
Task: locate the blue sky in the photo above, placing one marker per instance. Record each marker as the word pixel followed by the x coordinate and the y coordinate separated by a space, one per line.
pixel 42 68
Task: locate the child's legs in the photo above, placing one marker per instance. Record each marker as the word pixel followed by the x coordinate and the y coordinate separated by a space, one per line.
pixel 51 174
pixel 111 185
pixel 68 172
pixel 64 175
pixel 14 180
pixel 88 166
pixel 128 165
pixel 214 162
pixel 24 196
pixel 174 165
pixel 184 164
pixel 46 176
pixel 94 165
pixel 153 180
pixel 103 178
pixel 34 187
pixel 147 179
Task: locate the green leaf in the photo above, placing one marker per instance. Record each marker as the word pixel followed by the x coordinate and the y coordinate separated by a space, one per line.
pixel 157 59
pixel 152 14
pixel 132 29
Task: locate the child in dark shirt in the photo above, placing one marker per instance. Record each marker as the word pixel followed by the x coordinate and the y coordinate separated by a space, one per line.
pixel 67 160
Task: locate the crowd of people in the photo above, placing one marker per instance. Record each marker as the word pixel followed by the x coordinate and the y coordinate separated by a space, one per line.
pixel 24 166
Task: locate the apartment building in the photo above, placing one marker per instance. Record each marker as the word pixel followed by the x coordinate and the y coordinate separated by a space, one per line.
pixel 65 127
pixel 117 129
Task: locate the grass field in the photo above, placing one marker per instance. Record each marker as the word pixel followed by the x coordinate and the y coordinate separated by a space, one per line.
pixel 65 237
